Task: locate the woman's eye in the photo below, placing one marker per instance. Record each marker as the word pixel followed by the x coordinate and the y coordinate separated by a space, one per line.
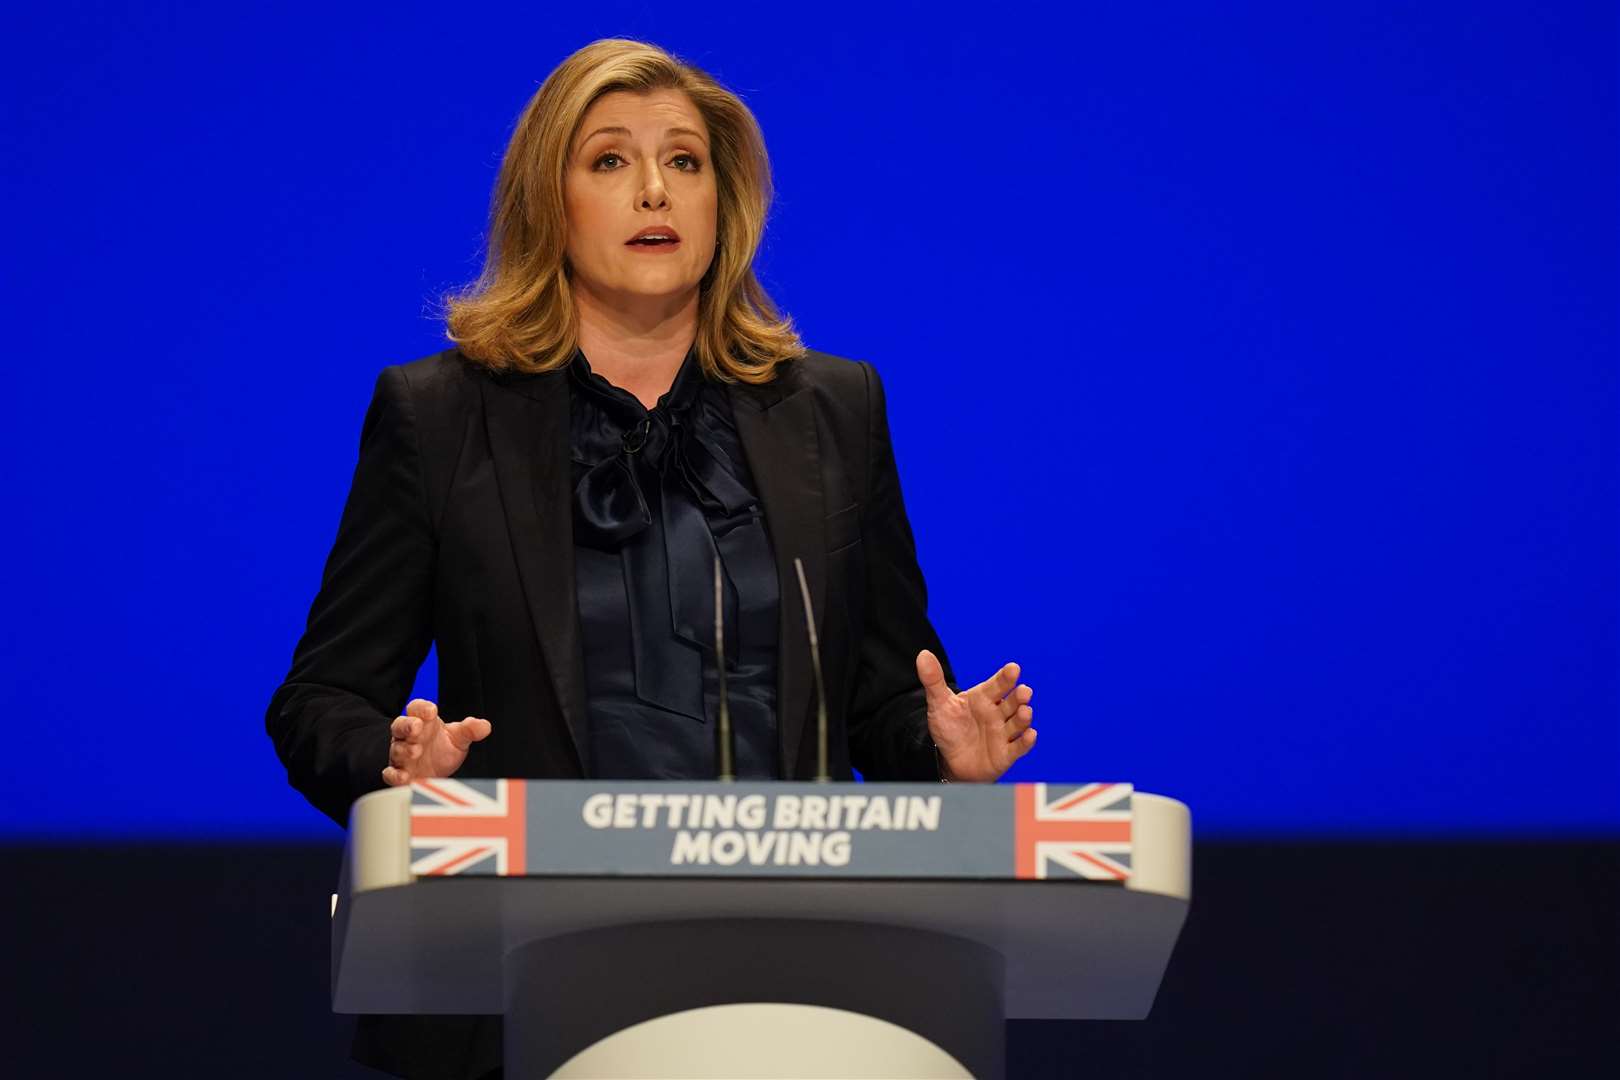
pixel 610 161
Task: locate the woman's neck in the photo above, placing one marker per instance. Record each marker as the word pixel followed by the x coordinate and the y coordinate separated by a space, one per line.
pixel 637 347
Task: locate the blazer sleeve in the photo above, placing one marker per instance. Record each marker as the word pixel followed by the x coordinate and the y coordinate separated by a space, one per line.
pixel 370 625
pixel 888 718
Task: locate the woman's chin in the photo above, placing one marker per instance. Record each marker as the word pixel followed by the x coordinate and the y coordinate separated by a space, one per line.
pixel 641 290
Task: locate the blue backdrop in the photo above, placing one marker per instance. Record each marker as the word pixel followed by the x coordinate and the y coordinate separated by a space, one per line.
pixel 1295 493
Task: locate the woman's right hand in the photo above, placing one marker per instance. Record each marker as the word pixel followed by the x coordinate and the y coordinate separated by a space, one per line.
pixel 424 746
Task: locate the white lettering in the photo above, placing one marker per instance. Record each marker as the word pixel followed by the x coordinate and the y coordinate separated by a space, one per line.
pixel 787 812
pixel 624 811
pixel 760 845
pixel 731 846
pixel 720 812
pixel 806 849
pixel 728 848
pixel 751 812
pixel 845 808
pixel 676 804
pixel 690 848
pixel 815 812
pixel 598 810
pixel 649 810
pixel 877 814
pixel 924 812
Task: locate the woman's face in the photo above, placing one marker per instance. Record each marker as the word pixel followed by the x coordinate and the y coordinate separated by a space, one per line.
pixel 640 162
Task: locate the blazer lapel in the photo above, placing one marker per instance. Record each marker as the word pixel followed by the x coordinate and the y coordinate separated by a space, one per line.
pixel 777 426
pixel 528 437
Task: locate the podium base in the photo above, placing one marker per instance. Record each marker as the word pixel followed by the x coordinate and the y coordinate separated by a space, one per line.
pixel 765 1041
pixel 754 998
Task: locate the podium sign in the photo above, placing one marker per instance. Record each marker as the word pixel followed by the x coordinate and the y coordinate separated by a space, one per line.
pixel 517 828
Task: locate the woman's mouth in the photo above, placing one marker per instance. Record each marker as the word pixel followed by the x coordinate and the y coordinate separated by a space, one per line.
pixel 655 238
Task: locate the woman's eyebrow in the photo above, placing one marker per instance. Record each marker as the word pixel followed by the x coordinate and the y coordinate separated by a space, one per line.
pixel 626 131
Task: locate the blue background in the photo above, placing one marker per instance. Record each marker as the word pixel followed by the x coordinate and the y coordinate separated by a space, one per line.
pixel 1252 372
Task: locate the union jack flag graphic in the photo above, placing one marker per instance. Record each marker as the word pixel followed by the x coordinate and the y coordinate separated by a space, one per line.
pixel 1072 831
pixel 467 827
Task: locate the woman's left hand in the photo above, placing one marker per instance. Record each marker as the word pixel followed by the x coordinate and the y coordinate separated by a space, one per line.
pixel 980 731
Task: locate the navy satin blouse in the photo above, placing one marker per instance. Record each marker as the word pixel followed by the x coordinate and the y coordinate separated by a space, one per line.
pixel 657 493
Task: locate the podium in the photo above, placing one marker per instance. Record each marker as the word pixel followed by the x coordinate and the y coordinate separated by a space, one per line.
pixel 711 929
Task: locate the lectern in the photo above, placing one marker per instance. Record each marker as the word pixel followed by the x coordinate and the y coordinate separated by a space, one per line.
pixel 713 929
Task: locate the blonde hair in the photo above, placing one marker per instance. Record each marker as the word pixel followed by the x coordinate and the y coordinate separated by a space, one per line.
pixel 519 314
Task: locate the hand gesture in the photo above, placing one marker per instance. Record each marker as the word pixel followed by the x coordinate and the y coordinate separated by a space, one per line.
pixel 425 746
pixel 980 732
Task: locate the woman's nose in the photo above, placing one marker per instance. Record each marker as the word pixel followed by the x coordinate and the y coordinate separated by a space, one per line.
pixel 654 196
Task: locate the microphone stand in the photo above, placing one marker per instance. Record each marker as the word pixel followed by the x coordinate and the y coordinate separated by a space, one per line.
pixel 815 664
pixel 724 748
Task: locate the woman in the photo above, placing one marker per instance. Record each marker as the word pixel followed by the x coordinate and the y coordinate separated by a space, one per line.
pixel 546 501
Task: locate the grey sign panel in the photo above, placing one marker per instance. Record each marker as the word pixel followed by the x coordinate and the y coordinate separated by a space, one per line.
pixel 703 829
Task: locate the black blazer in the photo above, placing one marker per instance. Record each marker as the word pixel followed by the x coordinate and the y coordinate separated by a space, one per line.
pixel 459 530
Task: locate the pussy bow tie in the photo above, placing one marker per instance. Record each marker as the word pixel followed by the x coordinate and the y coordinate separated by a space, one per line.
pixel 670 451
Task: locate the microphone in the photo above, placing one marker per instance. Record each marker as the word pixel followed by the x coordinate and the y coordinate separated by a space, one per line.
pixel 724 750
pixel 815 664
